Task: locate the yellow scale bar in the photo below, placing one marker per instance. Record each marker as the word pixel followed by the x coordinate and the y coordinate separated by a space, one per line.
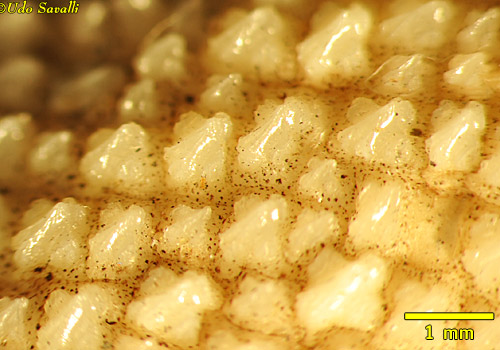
pixel 452 316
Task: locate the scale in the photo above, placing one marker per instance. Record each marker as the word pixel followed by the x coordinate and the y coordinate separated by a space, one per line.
pixel 450 333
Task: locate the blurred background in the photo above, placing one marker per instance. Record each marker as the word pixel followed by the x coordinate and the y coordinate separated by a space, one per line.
pixel 58 67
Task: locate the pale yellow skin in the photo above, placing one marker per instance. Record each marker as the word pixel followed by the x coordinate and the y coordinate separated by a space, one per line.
pixel 277 174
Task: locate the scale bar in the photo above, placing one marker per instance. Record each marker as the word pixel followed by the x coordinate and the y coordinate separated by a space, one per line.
pixel 449 316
